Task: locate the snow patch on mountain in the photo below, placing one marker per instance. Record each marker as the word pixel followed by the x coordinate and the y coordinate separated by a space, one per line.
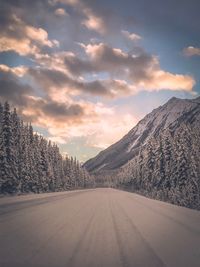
pixel 154 123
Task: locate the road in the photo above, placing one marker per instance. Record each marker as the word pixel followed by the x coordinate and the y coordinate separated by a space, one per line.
pixel 97 227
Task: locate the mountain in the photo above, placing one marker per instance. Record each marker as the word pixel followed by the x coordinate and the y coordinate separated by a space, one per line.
pixel 173 113
pixel 159 157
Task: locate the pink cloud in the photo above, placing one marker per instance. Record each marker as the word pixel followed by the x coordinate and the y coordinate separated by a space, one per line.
pixel 191 51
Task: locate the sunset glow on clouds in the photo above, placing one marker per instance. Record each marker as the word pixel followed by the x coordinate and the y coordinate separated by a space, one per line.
pixel 191 51
pixel 69 66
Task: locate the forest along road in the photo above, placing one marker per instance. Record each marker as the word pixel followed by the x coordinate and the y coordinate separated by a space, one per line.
pixel 97 227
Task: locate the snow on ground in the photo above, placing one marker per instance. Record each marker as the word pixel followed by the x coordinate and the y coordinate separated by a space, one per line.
pixel 100 227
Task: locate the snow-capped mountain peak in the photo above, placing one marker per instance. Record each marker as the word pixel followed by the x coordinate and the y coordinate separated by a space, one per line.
pixel 170 114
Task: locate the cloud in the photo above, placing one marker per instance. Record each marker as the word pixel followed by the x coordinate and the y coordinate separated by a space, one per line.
pixel 78 66
pixel 119 124
pixel 55 109
pixel 39 36
pixel 93 21
pixel 127 73
pixel 131 36
pixel 165 80
pixel 45 112
pixel 62 89
pixel 11 89
pixel 191 51
pixel 142 70
pixel 50 79
pixel 64 121
pixel 22 38
pixel 96 122
pixel 92 18
pixel 35 108
pixel 22 47
pixel 98 128
pixel 61 12
pixel 18 71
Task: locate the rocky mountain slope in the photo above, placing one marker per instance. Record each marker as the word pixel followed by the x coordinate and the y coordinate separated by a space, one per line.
pixel 173 113
pixel 159 157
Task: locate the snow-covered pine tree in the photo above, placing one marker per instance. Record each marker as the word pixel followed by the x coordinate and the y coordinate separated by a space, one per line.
pixel 16 135
pixel 2 151
pixel 10 176
pixel 167 167
pixel 29 163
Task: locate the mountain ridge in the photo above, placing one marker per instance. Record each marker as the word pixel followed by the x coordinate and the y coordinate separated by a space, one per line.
pixel 172 114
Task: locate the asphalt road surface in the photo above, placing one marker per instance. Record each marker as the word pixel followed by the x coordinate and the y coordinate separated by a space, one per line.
pixel 97 227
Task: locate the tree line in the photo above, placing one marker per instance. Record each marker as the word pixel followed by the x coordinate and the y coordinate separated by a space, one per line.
pixel 30 163
pixel 166 168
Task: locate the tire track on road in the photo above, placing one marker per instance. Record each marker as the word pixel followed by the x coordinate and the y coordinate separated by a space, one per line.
pixel 6 209
pixel 57 230
pixel 119 240
pixel 84 233
pixel 152 258
pixel 170 218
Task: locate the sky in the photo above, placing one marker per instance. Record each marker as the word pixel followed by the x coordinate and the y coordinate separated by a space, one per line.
pixel 85 72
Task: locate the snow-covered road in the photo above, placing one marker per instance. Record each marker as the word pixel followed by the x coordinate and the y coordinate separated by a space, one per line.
pixel 100 227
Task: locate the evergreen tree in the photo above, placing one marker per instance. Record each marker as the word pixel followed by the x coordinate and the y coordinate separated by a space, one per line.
pixel 8 161
pixel 29 163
